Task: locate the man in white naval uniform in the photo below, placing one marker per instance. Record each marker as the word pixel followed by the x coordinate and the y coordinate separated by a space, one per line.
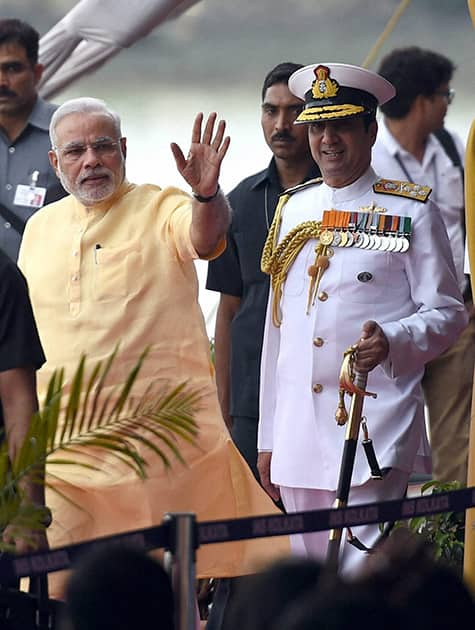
pixel 397 298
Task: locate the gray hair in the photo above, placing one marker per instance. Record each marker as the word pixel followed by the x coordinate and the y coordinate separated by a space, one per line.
pixel 82 105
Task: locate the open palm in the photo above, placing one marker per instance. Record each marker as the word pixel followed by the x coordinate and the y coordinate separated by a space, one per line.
pixel 201 167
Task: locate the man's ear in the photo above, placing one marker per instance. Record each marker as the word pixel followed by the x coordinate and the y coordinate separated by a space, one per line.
pixel 419 105
pixel 53 159
pixel 38 72
pixel 123 147
pixel 373 131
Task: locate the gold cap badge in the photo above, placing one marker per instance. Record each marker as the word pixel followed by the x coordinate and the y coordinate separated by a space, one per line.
pixel 323 86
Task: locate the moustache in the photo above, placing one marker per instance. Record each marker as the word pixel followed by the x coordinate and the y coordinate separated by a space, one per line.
pixel 283 135
pixel 95 172
pixel 7 92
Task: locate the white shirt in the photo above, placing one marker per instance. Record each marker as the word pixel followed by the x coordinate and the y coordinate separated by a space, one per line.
pixel 437 171
pixel 413 296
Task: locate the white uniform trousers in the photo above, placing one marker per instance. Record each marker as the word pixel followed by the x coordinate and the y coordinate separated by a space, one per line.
pixel 392 486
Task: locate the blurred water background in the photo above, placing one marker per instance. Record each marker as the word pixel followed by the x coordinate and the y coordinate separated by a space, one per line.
pixel 215 56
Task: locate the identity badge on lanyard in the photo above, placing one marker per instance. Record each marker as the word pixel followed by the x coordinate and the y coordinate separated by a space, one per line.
pixel 32 195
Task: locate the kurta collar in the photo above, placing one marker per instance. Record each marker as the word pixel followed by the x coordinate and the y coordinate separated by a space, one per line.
pixel 354 190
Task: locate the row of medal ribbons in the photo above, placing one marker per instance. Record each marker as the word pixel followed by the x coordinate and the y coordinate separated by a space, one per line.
pixel 366 230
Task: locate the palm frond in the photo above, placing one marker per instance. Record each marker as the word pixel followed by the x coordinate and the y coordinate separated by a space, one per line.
pixel 75 425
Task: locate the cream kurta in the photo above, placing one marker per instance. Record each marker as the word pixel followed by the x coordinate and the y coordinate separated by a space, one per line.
pixel 124 272
pixel 413 296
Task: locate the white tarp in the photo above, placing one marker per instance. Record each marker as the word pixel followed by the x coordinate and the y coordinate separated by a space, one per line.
pixel 95 30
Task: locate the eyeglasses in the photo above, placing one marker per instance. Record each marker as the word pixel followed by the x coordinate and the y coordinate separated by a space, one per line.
pixel 449 94
pixel 102 148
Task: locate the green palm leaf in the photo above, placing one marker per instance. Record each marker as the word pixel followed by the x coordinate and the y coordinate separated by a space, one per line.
pixel 73 427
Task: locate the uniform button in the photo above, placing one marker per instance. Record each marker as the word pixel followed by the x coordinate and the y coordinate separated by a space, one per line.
pixel 8 186
pixel 365 276
pixel 7 225
pixel 11 150
pixel 75 253
pixel 322 296
pixel 318 341
pixel 75 278
pixel 317 388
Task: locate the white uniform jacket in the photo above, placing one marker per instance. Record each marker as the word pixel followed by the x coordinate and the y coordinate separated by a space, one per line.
pixel 414 297
pixel 437 171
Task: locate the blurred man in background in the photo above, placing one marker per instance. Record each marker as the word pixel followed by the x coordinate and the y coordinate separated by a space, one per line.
pixel 412 144
pixel 27 180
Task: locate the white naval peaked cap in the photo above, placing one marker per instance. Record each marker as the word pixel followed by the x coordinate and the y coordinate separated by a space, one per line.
pixel 338 90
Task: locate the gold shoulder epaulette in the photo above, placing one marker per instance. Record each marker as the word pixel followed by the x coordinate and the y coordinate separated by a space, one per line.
pixel 310 182
pixel 402 189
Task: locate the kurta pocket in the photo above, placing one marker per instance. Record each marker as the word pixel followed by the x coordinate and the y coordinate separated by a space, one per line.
pixel 115 269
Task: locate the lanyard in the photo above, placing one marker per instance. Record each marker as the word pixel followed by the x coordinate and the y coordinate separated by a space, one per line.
pixel 403 168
